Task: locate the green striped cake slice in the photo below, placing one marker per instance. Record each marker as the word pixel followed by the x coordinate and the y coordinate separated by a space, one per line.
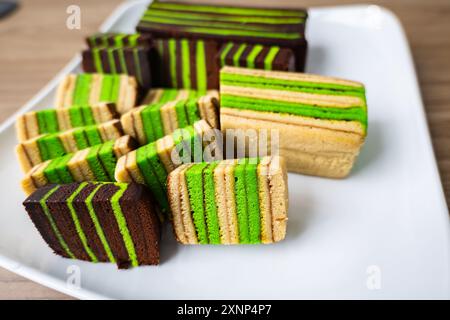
pixel 97 222
pixel 96 163
pixel 151 122
pixel 92 88
pixel 156 95
pixel 298 94
pixel 151 163
pixel 32 124
pixel 52 145
pixel 229 202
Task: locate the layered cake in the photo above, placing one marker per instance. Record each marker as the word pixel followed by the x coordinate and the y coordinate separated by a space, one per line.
pixel 256 56
pixel 112 39
pixel 187 63
pixel 229 202
pixel 97 222
pixel 273 27
pixel 322 121
pixel 151 163
pixel 169 94
pixel 134 61
pixel 52 145
pixel 151 122
pixel 96 163
pixel 92 88
pixel 34 123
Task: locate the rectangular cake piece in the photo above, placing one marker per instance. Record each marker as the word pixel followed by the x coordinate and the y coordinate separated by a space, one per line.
pixel 163 95
pixel 96 163
pixel 151 163
pixel 241 201
pixel 267 26
pixel 97 222
pixel 321 121
pixel 52 145
pixel 256 56
pixel 34 123
pixel 186 63
pixel 133 61
pixel 151 122
pixel 92 88
pixel 112 39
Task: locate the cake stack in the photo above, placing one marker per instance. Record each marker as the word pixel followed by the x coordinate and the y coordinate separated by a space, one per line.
pixel 139 139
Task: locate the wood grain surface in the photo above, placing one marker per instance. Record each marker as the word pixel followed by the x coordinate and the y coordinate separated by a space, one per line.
pixel 35 44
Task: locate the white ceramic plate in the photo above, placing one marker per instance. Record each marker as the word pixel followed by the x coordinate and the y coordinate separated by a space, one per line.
pixel 381 233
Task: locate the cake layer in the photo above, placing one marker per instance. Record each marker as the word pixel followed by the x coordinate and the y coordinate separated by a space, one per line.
pixel 295 94
pixel 34 123
pixel 241 201
pixel 278 27
pixel 52 145
pixel 186 63
pixel 96 163
pixel 91 88
pixel 97 222
pixel 256 56
pixel 118 40
pixel 151 122
pixel 310 146
pixel 133 61
pixel 163 95
pixel 151 163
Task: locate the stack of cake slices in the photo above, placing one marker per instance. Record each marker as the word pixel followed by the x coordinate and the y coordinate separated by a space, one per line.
pixel 137 140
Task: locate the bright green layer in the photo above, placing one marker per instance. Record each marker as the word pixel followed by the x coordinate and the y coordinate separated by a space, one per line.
pixel 251 57
pixel 62 170
pixel 152 122
pixel 185 140
pixel 182 117
pixel 95 164
pixel 47 213
pixel 251 191
pixel 192 111
pixel 185 66
pixel 159 169
pixel 289 85
pixel 122 223
pixel 212 219
pixel 77 224
pixel 50 171
pixel 81 116
pixel 137 64
pixel 97 225
pixel 110 88
pixel 93 135
pixel 173 61
pixel 97 60
pixel 80 138
pixel 228 10
pixel 108 159
pixel 241 201
pixel 201 74
pixel 349 114
pixel 150 177
pixel 168 95
pixel 53 145
pixel 82 89
pixel 268 61
pixel 47 121
pixel 195 189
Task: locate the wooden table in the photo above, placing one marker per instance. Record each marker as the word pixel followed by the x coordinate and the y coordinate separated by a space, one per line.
pixel 35 44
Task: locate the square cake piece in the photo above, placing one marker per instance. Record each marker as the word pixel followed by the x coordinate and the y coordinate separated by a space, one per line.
pixel 267 26
pixel 98 222
pixel 242 201
pixel 321 121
